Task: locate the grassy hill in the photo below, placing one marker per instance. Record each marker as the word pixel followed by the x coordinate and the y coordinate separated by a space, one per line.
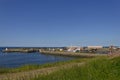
pixel 96 69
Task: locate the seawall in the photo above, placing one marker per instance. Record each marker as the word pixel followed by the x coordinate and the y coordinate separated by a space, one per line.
pixel 72 54
pixel 27 50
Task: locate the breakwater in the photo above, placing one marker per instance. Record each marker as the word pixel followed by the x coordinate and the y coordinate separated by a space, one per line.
pixel 72 54
pixel 24 50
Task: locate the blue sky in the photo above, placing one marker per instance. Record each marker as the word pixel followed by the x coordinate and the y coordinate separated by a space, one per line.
pixel 44 23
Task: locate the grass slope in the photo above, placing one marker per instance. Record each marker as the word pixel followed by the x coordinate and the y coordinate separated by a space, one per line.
pixel 34 67
pixel 95 69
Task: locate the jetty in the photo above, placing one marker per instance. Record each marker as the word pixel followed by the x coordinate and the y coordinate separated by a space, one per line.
pixel 72 54
pixel 24 50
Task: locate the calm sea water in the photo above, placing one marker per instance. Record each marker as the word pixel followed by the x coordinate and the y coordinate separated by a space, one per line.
pixel 19 59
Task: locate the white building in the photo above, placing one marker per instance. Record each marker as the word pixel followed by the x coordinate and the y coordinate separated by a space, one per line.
pixel 73 49
pixel 95 47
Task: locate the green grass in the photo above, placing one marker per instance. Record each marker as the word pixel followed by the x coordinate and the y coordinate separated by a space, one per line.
pixel 34 67
pixel 96 69
pixel 100 68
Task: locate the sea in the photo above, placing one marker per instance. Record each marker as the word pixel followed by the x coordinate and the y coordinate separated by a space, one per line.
pixel 18 59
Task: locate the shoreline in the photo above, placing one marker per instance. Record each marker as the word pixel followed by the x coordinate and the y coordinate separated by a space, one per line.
pixel 72 54
pixel 24 50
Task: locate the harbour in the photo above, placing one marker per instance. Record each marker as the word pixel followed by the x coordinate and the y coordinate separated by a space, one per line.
pixel 17 59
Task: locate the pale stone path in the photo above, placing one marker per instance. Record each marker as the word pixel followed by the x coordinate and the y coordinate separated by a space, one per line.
pixel 27 75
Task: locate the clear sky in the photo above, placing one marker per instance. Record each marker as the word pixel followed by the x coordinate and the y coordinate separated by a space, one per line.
pixel 44 23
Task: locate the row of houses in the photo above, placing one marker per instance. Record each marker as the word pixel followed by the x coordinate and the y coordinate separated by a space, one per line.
pixel 99 49
pixel 76 48
pixel 96 49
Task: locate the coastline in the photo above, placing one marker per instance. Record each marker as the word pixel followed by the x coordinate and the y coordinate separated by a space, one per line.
pixel 24 50
pixel 72 54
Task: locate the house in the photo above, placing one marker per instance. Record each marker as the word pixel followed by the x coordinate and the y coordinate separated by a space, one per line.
pixel 60 49
pixel 73 49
